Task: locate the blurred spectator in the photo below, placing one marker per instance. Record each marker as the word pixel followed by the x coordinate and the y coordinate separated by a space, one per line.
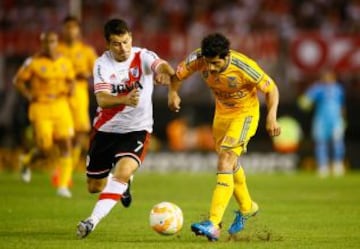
pixel 184 137
pixel 261 28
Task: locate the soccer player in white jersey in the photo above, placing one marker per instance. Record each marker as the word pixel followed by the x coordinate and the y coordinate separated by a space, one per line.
pixel 123 82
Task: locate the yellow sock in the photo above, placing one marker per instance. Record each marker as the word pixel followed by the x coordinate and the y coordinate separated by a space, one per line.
pixel 76 152
pixel 241 192
pixel 221 196
pixel 66 171
pixel 27 158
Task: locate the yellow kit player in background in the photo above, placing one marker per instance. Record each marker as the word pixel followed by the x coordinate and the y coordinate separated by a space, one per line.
pixel 45 80
pixel 234 80
pixel 82 57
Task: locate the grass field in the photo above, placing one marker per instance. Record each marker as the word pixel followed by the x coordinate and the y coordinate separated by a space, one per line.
pixel 297 211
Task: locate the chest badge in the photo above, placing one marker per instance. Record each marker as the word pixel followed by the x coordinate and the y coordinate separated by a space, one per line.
pixel 231 82
pixel 134 71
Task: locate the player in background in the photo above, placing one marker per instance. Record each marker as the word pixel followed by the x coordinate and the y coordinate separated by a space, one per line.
pixel 46 81
pixel 123 84
pixel 234 80
pixel 82 57
pixel 328 125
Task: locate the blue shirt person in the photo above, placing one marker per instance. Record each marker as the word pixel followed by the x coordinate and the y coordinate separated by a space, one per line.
pixel 328 125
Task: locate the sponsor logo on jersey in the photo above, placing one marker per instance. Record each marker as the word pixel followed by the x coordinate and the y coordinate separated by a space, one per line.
pixel 221 95
pixel 125 88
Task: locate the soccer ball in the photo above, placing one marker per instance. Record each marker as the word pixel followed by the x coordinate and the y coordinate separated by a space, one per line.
pixel 166 218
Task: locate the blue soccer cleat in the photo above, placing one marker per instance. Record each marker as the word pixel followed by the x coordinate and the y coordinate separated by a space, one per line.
pixel 240 218
pixel 206 228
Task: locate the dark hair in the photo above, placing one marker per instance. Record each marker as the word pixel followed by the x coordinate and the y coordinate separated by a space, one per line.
pixel 215 45
pixel 115 27
pixel 71 19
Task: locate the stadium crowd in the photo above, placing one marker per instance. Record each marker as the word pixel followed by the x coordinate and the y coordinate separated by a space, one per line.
pixel 21 21
pixel 239 16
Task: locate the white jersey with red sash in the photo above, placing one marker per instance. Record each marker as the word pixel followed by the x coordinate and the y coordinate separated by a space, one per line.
pixel 119 78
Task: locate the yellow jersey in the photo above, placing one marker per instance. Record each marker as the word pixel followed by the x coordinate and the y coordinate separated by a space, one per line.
pixel 81 55
pixel 48 79
pixel 235 88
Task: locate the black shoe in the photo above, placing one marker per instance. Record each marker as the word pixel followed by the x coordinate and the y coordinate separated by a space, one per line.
pixel 126 197
pixel 84 228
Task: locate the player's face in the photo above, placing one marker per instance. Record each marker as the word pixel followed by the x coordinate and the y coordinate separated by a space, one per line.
pixel 50 43
pixel 120 46
pixel 71 30
pixel 216 64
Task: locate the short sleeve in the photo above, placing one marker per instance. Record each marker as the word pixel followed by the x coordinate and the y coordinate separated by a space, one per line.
pixel 266 84
pixel 25 71
pixel 101 78
pixel 313 92
pixel 193 62
pixel 150 61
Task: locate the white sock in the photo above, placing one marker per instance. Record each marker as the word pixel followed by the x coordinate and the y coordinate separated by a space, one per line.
pixel 107 199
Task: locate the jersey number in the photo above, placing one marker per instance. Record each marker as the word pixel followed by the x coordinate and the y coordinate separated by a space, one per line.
pixel 140 145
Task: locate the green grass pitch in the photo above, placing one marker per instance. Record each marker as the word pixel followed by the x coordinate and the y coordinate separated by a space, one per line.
pixel 296 211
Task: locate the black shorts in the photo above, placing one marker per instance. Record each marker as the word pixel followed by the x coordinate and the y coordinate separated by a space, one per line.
pixel 107 148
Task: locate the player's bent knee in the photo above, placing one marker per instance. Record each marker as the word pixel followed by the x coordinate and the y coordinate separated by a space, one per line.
pixel 95 185
pixel 93 189
pixel 226 161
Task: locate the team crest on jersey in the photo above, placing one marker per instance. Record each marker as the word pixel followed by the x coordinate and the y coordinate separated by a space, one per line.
pixel 231 82
pixel 134 71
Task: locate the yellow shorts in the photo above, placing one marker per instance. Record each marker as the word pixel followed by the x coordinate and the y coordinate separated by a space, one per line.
pixel 234 133
pixel 51 120
pixel 79 104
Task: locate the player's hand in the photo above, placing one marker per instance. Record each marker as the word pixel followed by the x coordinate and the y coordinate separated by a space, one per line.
pixel 174 101
pixel 163 79
pixel 132 98
pixel 273 127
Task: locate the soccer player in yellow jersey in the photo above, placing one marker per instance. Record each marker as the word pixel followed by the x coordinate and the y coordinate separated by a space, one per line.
pixel 82 57
pixel 45 80
pixel 234 80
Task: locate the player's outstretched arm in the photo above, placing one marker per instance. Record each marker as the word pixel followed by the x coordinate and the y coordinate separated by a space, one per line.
pixel 272 102
pixel 163 73
pixel 174 99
